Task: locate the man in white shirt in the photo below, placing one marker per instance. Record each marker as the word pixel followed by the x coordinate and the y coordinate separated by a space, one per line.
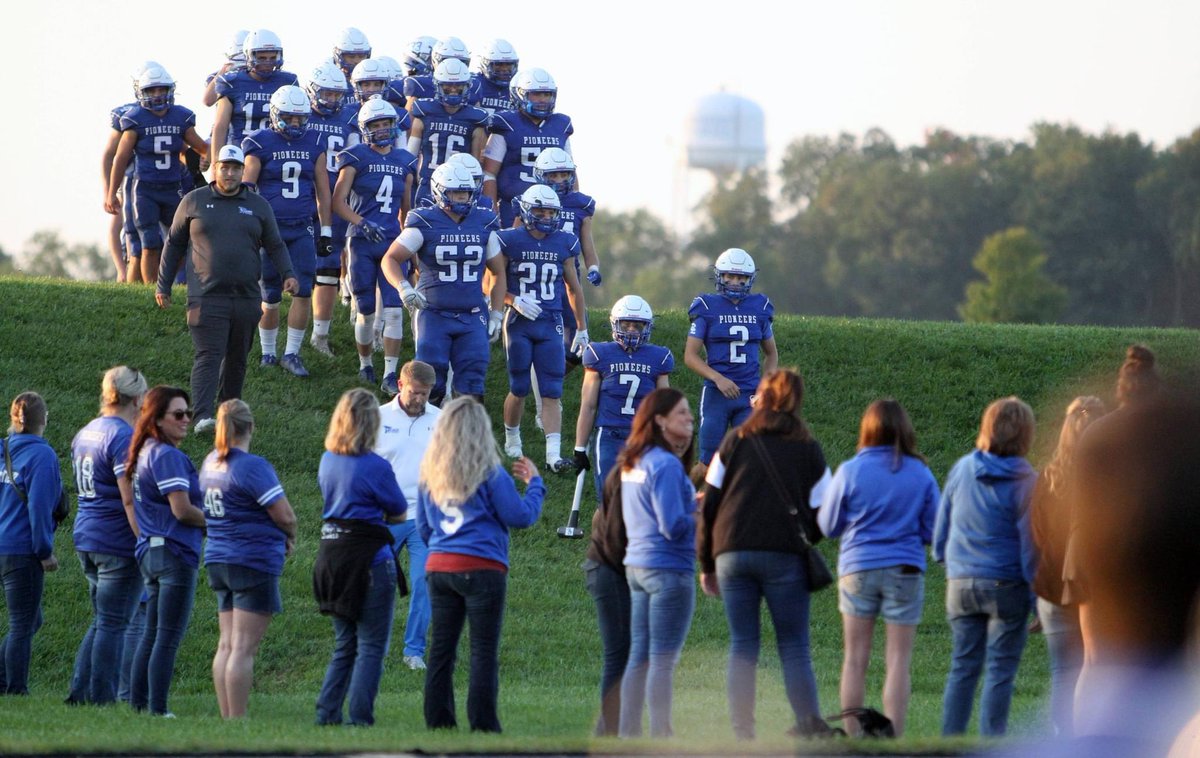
pixel 406 424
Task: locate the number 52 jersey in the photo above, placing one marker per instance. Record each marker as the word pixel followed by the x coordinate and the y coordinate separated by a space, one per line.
pixel 732 332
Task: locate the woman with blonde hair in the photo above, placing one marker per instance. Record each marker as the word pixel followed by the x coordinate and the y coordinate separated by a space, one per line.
pixel 354 577
pixel 982 535
pixel 105 534
pixel 467 503
pixel 251 529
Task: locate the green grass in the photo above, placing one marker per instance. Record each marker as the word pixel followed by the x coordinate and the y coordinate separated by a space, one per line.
pixel 57 338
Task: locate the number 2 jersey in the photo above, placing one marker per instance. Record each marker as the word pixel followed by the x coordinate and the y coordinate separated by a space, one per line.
pixel 451 255
pixel 732 332
pixel 625 378
pixel 378 185
pixel 288 167
pixel 535 266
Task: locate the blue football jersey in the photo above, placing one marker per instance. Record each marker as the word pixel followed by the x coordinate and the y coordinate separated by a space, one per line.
pixel 625 378
pixel 98 455
pixel 445 133
pixel 378 184
pixel 251 100
pixel 114 118
pixel 394 94
pixel 418 86
pixel 732 333
pixel 338 132
pixel 492 98
pixel 535 266
pixel 159 141
pixel 237 492
pixel 576 206
pixel 524 140
pixel 452 256
pixel 287 173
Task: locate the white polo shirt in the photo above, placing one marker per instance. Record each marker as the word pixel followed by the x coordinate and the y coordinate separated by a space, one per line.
pixel 402 441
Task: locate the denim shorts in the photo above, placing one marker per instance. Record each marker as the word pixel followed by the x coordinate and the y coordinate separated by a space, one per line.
pixel 244 588
pixel 897 593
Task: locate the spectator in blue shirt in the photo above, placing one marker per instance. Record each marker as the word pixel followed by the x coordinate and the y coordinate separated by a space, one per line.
pixel 882 503
pixel 982 534
pixel 30 486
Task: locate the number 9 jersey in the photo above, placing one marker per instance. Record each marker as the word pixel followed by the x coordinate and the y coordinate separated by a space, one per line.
pixel 731 333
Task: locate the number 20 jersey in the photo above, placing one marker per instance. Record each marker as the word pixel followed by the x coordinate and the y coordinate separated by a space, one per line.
pixel 452 256
pixel 731 333
pixel 625 378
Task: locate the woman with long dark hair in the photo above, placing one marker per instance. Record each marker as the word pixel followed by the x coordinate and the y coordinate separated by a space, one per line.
pixel 170 525
pixel 751 548
pixel 658 504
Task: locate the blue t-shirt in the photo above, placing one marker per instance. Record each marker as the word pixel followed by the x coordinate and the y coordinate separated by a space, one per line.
pixel 237 493
pixel 445 133
pixel 161 470
pixel 286 174
pixel 98 455
pixel 378 186
pixel 625 378
pixel 535 266
pixel 159 141
pixel 251 100
pixel 658 503
pixel 732 333
pixel 361 487
pixel 479 527
pixel 524 140
pixel 452 256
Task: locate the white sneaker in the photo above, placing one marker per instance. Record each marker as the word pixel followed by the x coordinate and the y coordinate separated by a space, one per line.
pixel 204 425
pixel 321 345
pixel 414 662
pixel 513 450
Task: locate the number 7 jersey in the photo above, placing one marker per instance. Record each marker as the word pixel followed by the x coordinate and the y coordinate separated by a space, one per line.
pixel 732 333
pixel 625 378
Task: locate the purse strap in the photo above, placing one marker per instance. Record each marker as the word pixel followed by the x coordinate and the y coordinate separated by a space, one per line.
pixel 8 469
pixel 777 483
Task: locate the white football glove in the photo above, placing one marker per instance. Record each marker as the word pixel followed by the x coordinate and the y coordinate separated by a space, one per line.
pixel 412 299
pixel 527 306
pixel 495 319
pixel 580 342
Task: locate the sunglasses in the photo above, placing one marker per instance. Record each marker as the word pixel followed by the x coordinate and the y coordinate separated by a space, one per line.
pixel 180 415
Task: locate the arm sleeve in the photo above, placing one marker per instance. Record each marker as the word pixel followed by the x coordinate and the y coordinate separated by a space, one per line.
pixel 941 523
pixel 172 471
pixel 832 514
pixel 712 503
pixel 44 487
pixel 118 452
pixel 493 246
pixel 391 499
pixel 263 484
pixel 271 241
pixel 496 147
pixel 412 239
pixel 512 509
pixel 423 505
pixel 1029 554
pixel 177 243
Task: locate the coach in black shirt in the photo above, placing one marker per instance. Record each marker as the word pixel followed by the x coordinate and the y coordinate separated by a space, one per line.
pixel 226 225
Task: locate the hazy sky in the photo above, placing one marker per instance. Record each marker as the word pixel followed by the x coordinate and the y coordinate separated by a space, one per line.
pixel 628 73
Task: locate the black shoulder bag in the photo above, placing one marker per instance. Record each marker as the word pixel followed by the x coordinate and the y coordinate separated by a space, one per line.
pixel 819 576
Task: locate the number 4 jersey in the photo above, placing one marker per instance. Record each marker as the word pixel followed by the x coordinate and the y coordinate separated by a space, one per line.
pixel 625 378
pixel 732 333
pixel 378 184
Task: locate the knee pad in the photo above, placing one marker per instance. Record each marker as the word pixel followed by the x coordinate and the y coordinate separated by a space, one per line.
pixel 270 306
pixel 327 277
pixel 393 323
pixel 364 329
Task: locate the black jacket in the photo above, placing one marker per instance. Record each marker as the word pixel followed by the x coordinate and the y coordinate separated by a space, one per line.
pixel 342 571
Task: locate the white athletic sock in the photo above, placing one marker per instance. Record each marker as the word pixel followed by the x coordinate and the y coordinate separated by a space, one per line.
pixel 267 338
pixel 390 362
pixel 320 328
pixel 295 338
pixel 365 361
pixel 512 435
pixel 553 447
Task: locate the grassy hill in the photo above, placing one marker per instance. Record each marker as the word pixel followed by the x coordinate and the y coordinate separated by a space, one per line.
pixel 57 338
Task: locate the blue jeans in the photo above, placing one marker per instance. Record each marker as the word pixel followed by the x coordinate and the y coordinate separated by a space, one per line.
pixel 129 646
pixel 610 592
pixel 418 601
pixel 987 624
pixel 477 598
pixel 1064 642
pixel 661 602
pixel 359 648
pixel 172 587
pixel 114 587
pixel 23 579
pixel 746 577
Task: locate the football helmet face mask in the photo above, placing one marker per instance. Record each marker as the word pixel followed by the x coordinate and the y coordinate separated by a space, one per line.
pixel 499 62
pixel 734 261
pixel 473 167
pixel 451 80
pixel 377 121
pixel 417 59
pixel 155 89
pixel 555 160
pixel 368 78
pixel 450 47
pixel 631 320
pixel 351 49
pixel 533 205
pixel 264 52
pixel 530 81
pixel 290 110
pixel 326 88
pixel 448 179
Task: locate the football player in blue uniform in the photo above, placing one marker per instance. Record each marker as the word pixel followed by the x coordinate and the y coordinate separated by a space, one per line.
pixel 519 136
pixel 124 245
pixel 235 60
pixel 453 242
pixel 539 259
pixel 244 97
pixel 417 59
pixel 351 49
pixel 338 130
pixel 617 375
pixel 373 187
pixel 394 91
pixel 418 86
pixel 731 326
pixel 498 64
pixel 445 124
pixel 475 169
pixel 371 78
pixel 287 163
pixel 152 135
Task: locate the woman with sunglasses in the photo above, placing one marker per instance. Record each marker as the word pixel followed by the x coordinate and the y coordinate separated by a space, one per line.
pixel 170 525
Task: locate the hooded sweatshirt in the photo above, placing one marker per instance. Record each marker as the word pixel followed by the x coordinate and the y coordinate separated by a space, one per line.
pixel 982 529
pixel 29 529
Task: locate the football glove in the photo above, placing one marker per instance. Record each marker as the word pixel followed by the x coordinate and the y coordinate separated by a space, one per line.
pixel 593 275
pixel 581 459
pixel 527 306
pixel 412 299
pixel 580 342
pixel 495 319
pixel 372 231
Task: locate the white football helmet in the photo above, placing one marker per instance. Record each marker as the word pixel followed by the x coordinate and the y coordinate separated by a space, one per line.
pixel 536 197
pixel 391 66
pixel 368 71
pixel 234 52
pixel 528 81
pixel 375 110
pixel 136 76
pixel 451 71
pixel 449 47
pixel 734 261
pixel 326 88
pixel 263 42
pixel 155 77
pixel 417 59
pixel 354 42
pixel 290 100
pixel 631 308
pixel 448 178
pixel 498 62
pixel 555 160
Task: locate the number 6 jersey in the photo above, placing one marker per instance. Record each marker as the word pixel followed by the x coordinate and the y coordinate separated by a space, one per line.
pixel 732 333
